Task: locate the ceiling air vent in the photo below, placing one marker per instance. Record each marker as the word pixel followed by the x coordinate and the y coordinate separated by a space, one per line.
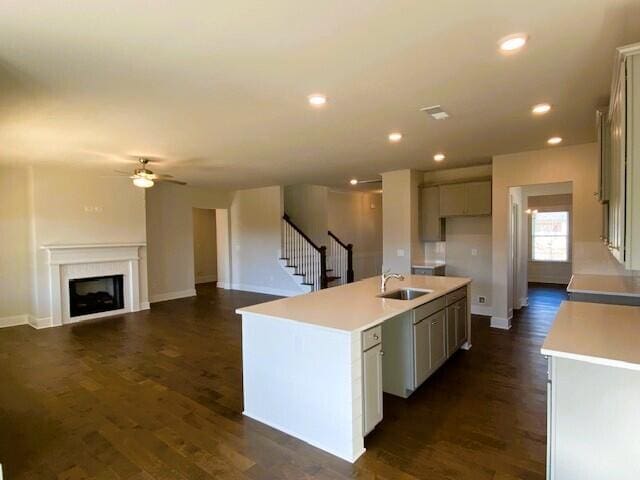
pixel 436 112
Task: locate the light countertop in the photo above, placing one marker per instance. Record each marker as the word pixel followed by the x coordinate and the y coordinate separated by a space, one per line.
pixel 429 265
pixel 355 306
pixel 605 285
pixel 596 333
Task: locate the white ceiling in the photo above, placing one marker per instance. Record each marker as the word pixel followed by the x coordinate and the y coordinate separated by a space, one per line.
pixel 218 89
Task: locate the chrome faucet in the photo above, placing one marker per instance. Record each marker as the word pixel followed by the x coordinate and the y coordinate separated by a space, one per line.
pixel 386 276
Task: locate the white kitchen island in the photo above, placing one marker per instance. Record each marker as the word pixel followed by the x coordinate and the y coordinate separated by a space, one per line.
pixel 310 362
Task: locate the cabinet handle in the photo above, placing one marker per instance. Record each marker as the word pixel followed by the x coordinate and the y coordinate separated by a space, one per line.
pixel 381 353
pixel 376 336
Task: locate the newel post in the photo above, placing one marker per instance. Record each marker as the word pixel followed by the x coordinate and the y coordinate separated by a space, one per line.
pixel 350 263
pixel 323 267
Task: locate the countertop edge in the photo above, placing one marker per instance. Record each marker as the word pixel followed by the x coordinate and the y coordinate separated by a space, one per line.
pixel 404 309
pixel 612 293
pixel 607 362
pixel 602 292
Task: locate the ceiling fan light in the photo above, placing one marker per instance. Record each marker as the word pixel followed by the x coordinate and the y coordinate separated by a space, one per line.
pixel 143 182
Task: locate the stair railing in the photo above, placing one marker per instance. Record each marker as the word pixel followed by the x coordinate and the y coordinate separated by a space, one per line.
pixel 301 253
pixel 341 259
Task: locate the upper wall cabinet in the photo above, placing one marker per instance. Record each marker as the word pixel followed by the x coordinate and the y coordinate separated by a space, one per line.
pixel 621 157
pixel 460 199
pixel 432 227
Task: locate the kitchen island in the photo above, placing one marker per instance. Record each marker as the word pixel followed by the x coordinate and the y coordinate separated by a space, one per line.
pixel 593 391
pixel 313 364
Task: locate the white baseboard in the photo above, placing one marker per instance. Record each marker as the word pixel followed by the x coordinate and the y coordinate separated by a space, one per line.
pixel 14 320
pixel 206 278
pixel 267 290
pixel 225 285
pixel 485 310
pixel 523 302
pixel 502 323
pixel 145 305
pixel 42 322
pixel 163 297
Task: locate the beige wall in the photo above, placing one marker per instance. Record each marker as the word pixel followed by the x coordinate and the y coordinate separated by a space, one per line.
pixel 59 205
pixel 307 207
pixel 170 236
pixel 15 284
pixel 465 234
pixel 255 218
pixel 577 164
pixel 401 244
pixel 356 218
pixel 204 245
pixel 76 206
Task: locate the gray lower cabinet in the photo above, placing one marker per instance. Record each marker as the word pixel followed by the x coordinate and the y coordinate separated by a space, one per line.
pixel 422 356
pixel 372 378
pixel 451 329
pixel 437 339
pixel 461 322
pixel 417 343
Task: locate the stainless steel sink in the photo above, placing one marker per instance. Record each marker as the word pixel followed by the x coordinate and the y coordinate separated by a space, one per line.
pixel 405 294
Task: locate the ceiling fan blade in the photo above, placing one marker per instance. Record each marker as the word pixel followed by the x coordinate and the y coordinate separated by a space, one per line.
pixel 166 180
pixel 122 173
pixel 161 176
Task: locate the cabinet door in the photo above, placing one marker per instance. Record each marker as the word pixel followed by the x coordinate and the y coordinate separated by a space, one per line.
pixel 617 185
pixel 604 150
pixel 437 338
pixel 478 198
pixel 422 360
pixel 372 378
pixel 451 329
pixel 452 200
pixel 431 225
pixel 461 321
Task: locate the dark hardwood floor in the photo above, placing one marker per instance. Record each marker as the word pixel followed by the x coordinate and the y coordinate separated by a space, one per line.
pixel 158 394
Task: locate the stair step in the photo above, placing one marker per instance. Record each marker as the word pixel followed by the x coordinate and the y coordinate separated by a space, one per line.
pixel 331 279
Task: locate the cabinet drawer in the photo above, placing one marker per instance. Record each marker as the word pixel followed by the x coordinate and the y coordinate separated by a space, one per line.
pixel 456 295
pixel 423 311
pixel 371 337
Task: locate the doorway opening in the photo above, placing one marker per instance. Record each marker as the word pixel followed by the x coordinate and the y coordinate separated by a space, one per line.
pixel 541 238
pixel 211 250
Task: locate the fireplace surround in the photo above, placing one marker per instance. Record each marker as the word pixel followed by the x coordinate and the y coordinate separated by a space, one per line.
pixel 70 264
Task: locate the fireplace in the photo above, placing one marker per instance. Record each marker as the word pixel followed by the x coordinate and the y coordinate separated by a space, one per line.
pixel 95 295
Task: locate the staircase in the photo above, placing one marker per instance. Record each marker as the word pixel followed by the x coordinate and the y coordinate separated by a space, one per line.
pixel 311 266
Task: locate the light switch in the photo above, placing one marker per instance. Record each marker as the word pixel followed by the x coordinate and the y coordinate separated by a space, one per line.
pixel 474 252
pixel 400 252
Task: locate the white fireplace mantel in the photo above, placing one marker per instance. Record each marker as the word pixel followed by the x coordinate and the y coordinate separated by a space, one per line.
pixel 68 262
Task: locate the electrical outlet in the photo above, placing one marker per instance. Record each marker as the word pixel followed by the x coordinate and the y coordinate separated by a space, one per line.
pixel 482 299
pixel 400 252
pixel 474 252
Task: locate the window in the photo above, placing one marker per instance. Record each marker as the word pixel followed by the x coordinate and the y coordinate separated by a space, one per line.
pixel 550 236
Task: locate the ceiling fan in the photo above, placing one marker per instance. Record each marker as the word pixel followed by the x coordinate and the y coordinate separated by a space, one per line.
pixel 144 178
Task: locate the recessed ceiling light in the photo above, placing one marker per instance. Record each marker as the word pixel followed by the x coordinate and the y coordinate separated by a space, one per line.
pixel 395 137
pixel 353 181
pixel 540 109
pixel 317 100
pixel 554 140
pixel 438 157
pixel 513 43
